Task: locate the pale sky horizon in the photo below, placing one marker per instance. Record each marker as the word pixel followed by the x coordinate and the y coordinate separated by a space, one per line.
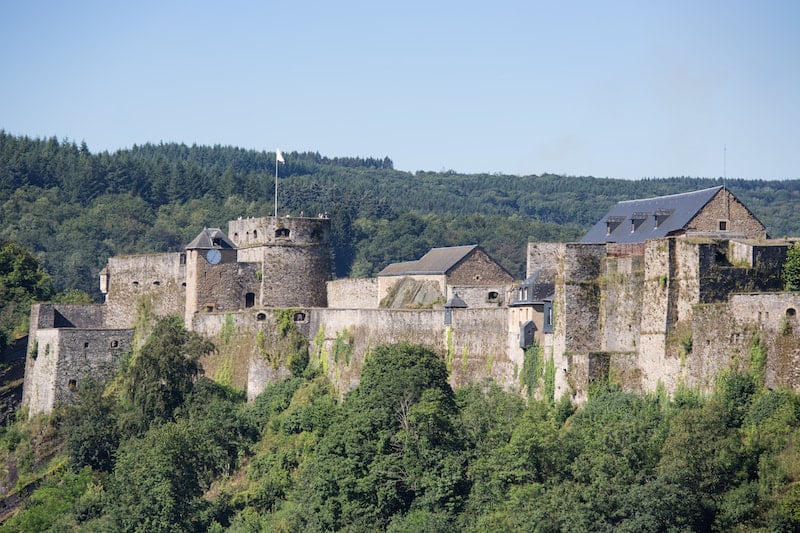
pixel 618 89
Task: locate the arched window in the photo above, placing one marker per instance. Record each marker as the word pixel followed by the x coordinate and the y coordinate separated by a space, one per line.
pixel 791 312
pixel 282 232
pixel 250 299
pixel 261 317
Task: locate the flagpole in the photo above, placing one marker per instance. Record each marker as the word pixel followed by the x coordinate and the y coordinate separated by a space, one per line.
pixel 277 155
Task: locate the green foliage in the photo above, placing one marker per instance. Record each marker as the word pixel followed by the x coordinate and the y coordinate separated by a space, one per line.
pixel 284 346
pixel 22 281
pixel 791 268
pixel 343 347
pixel 392 447
pixel 403 452
pixel 90 425
pixel 228 328
pixel 163 374
pixel 550 380
pixel 531 369
pixel 75 209
pixel 54 499
pixel 73 296
pixel 285 320
pixel 758 360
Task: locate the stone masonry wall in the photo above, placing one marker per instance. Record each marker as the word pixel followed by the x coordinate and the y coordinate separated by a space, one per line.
pixel 725 207
pixel 238 360
pixel 60 359
pixel 223 287
pixel 353 293
pixel 68 316
pixel 480 296
pixel 473 347
pixel 248 232
pixel 478 269
pixel 658 277
pixel 767 311
pixel 160 278
pixel 621 303
pixel 577 310
pixel 542 257
pixel 295 276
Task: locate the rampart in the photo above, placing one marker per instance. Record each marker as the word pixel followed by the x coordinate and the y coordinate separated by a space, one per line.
pixel 67 316
pixel 476 296
pixel 353 293
pixel 60 359
pixel 473 346
pixel 250 232
pixel 157 279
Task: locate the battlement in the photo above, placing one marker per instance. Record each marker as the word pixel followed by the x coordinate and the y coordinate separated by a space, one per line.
pixel 265 231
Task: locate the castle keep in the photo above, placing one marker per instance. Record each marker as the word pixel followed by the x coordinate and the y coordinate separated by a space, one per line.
pixel 663 291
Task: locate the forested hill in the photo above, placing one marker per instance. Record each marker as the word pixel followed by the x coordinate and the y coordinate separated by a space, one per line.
pixel 74 208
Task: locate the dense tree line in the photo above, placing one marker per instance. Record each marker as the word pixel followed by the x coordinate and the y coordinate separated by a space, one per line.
pixel 73 209
pixel 162 448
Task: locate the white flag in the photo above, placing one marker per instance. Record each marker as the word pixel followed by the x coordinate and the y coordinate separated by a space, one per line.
pixel 279 156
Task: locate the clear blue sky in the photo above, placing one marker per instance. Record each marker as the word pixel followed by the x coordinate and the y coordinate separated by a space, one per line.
pixel 624 89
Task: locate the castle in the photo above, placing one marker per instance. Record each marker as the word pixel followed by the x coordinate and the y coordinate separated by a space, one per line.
pixel 660 292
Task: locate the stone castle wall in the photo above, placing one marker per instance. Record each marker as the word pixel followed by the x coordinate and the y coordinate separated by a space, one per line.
pixel 353 293
pixel 295 276
pixel 224 286
pixel 160 279
pixel 542 257
pixel 476 296
pixel 621 303
pixel 67 316
pixel 249 232
pixel 59 360
pixel 473 347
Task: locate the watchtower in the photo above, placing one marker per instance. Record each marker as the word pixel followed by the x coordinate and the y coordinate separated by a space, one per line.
pixel 294 256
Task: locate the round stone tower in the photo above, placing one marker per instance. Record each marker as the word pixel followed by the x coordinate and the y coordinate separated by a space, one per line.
pixel 295 257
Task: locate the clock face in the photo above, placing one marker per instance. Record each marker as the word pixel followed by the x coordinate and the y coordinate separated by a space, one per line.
pixel 213 256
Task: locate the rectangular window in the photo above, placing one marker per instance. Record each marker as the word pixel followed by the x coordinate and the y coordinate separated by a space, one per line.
pixel 723 225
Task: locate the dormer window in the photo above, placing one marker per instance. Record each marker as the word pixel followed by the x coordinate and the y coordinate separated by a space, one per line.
pixel 636 220
pixel 661 215
pixel 612 223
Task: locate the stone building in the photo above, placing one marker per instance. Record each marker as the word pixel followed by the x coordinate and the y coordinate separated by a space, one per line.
pixel 660 292
pixel 712 212
pixel 442 272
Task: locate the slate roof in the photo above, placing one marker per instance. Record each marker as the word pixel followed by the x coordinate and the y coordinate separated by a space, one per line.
pixel 672 213
pixel 211 238
pixel 437 261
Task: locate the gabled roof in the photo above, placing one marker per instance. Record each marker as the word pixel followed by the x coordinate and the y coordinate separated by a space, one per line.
pixel 436 261
pixel 652 218
pixel 210 238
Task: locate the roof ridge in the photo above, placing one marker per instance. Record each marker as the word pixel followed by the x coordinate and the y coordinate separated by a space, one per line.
pixel 715 188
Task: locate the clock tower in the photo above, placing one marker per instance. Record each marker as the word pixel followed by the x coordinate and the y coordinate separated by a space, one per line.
pixel 209 257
